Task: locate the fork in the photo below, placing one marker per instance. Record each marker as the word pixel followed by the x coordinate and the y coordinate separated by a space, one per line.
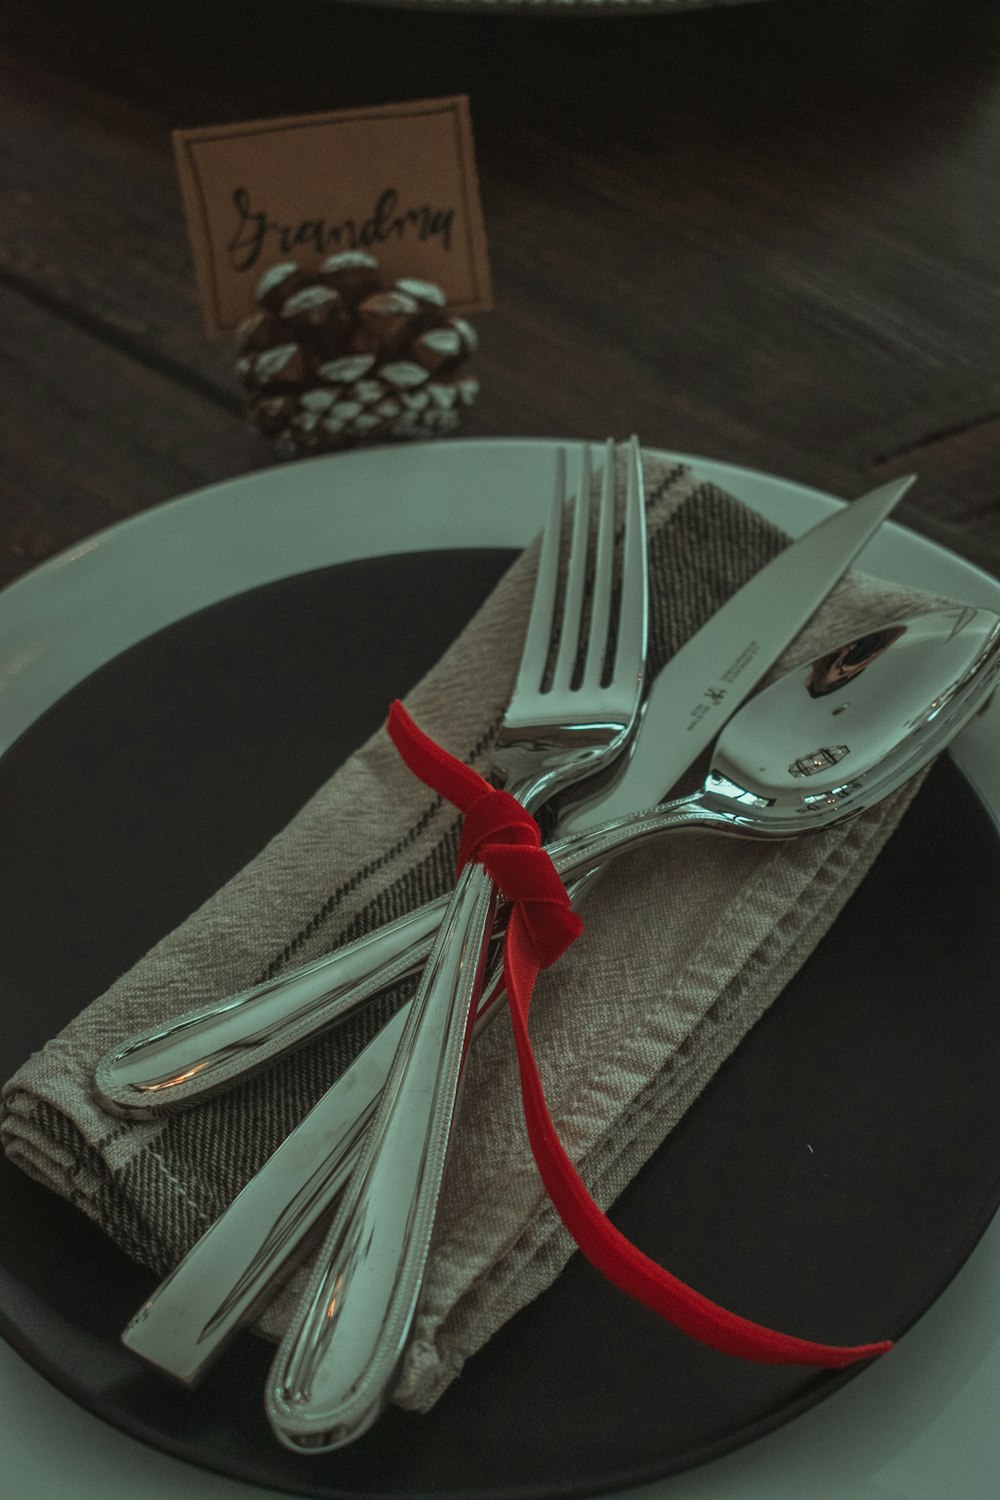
pixel 335 1370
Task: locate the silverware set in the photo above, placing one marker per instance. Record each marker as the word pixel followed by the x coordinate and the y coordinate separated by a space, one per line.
pixel 585 735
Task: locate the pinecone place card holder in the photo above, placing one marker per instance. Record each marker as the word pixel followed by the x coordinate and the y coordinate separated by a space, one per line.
pixel 334 358
pixel 286 218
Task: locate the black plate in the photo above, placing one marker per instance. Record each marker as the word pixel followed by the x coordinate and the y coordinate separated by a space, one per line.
pixel 830 1181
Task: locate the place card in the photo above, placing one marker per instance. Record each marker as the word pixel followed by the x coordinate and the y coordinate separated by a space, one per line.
pixel 398 180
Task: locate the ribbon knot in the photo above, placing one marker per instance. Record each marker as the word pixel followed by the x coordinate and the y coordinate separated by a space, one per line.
pixel 501 835
pixel 504 838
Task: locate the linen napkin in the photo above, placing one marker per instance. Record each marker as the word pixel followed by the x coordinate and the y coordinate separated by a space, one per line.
pixel 686 945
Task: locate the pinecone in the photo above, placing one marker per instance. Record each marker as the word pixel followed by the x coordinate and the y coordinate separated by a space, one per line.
pixel 335 359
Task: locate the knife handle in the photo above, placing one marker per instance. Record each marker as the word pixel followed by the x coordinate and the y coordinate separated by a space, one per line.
pixel 242 1260
pixel 335 1371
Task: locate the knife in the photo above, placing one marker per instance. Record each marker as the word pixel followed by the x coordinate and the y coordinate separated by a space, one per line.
pixel 242 1260
pixel 202 1052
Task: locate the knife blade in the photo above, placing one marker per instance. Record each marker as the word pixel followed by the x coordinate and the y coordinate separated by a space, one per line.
pixel 244 1258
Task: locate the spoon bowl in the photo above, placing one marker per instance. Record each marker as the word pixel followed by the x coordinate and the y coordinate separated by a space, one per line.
pixel 828 739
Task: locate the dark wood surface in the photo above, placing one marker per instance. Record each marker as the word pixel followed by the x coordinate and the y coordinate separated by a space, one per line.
pixel 767 234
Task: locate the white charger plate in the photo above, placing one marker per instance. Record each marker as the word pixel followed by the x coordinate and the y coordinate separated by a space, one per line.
pixel 81 609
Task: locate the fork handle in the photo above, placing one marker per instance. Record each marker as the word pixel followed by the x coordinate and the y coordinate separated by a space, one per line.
pixel 335 1371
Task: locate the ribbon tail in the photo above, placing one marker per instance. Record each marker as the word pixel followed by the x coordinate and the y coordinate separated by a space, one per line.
pixel 608 1250
pixel 443 773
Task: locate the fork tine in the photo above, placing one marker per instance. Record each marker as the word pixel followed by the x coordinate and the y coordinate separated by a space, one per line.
pixel 576 580
pixel 541 621
pixel 630 651
pixel 603 585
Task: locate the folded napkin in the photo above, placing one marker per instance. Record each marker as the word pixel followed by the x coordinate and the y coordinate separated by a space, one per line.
pixel 686 945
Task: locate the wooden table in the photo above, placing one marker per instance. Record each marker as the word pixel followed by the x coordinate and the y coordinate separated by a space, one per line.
pixel 764 233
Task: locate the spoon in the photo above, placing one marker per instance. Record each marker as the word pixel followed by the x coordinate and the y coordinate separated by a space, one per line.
pixel 204 1051
pixel 819 746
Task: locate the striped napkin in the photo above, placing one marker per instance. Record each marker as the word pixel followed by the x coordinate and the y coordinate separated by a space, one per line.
pixel 686 945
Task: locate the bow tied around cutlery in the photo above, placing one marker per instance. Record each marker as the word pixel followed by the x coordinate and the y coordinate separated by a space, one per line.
pixel 500 834
pixel 506 840
pixel 686 946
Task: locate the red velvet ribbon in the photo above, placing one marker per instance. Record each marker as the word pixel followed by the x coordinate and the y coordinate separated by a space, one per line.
pixel 499 834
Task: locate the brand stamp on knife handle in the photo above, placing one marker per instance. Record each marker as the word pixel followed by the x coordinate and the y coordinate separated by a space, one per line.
pixel 714 695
